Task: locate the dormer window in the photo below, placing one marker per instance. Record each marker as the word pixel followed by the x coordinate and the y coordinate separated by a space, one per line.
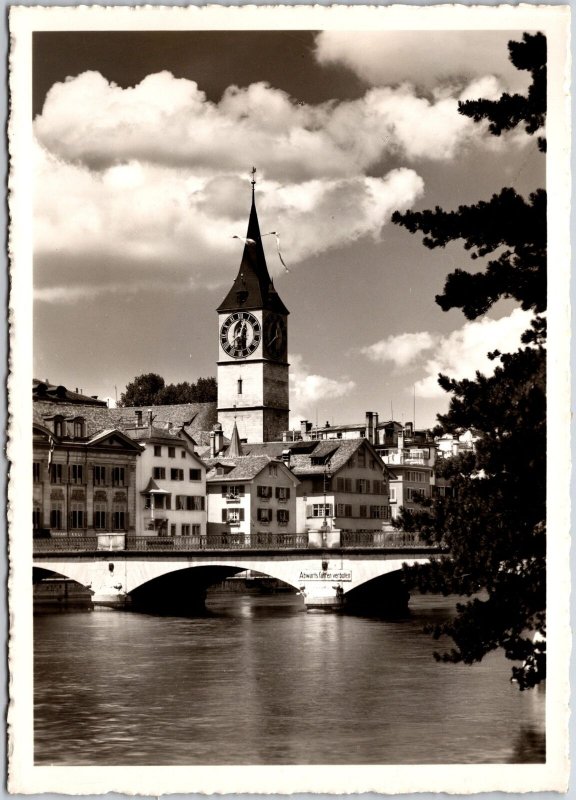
pixel 79 428
pixel 58 425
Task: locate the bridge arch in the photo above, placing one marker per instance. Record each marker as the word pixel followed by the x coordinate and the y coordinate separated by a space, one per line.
pixel 115 576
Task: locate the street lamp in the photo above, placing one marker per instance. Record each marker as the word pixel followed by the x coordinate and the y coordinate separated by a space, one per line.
pixel 325 527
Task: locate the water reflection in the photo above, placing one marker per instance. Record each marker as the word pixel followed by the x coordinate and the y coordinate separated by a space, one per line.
pixel 257 681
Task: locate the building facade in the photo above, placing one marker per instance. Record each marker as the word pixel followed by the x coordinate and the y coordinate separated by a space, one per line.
pixel 171 482
pixel 83 485
pixel 251 497
pixel 253 348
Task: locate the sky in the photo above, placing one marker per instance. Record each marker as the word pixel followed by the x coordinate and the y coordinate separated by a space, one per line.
pixel 144 144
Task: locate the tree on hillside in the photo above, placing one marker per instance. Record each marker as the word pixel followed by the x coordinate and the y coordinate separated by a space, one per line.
pixel 151 390
pixel 493 522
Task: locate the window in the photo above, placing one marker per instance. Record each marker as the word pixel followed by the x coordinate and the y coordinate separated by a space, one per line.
pixel 172 530
pixel 157 449
pixel 377 512
pixel 264 515
pixel 100 516
pixel 273 469
pixel 78 428
pixel 56 516
pixel 159 473
pixel 99 475
pixel 195 530
pixel 343 510
pixel 282 515
pixel 185 530
pixel 264 492
pixel 118 474
pixel 233 490
pixel 362 486
pixel 36 518
pixel 386 512
pixel 182 453
pixel 118 517
pixel 195 503
pixel 56 473
pixel 76 516
pixel 171 452
pixel 233 515
pixel 320 510
pixel 339 484
pixel 239 385
pixel 363 511
pixel 76 473
pixel 393 493
pixel 195 474
pixel 161 501
pixel 282 493
pixel 58 425
pixel 176 474
pixel 36 471
pixel 361 457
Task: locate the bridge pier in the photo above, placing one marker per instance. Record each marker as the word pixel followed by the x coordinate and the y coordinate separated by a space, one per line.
pixel 108 585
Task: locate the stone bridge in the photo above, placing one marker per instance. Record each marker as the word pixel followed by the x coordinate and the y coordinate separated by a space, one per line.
pixel 178 579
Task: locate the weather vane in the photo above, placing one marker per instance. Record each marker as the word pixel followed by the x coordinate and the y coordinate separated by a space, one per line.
pixel 253 176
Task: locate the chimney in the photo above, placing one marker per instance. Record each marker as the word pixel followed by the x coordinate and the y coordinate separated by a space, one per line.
pixel 370 427
pixel 150 418
pixel 216 440
pixel 303 427
pixel 375 421
pixel 286 457
pixel 400 441
pixel 138 419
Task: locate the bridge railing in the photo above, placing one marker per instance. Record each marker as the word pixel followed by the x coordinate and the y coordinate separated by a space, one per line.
pixel 383 539
pixel 65 544
pixel 219 541
pixel 227 541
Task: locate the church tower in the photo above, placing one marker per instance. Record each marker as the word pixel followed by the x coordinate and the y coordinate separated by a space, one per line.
pixel 253 348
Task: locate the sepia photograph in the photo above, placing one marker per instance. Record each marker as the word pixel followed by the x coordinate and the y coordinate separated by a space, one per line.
pixel 287 406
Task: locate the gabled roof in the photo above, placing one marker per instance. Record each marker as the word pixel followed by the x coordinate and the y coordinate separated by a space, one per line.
pixel 253 287
pixel 113 433
pixel 333 454
pixel 243 468
pixel 197 419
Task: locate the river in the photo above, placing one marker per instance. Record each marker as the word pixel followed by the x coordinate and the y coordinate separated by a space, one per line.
pixel 260 681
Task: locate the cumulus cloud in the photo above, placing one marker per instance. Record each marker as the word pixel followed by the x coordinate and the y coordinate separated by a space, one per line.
pixel 138 223
pixel 147 184
pixel 458 354
pixel 402 350
pixel 307 389
pixel 169 121
pixel 384 58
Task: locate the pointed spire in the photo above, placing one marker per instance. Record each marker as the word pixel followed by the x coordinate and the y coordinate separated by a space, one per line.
pixel 235 448
pixel 253 287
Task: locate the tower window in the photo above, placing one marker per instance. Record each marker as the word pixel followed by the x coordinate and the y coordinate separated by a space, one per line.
pixel 239 385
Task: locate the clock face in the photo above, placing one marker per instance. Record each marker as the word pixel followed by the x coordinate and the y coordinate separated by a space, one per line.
pixel 275 336
pixel 240 334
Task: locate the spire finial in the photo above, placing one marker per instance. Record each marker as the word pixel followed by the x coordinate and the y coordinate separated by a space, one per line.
pixel 253 181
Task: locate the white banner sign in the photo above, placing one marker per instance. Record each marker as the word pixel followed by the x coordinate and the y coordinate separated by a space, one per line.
pixel 342 575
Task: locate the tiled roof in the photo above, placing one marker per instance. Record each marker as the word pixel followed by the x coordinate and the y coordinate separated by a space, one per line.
pixel 336 453
pixel 244 468
pixel 41 390
pixel 196 418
